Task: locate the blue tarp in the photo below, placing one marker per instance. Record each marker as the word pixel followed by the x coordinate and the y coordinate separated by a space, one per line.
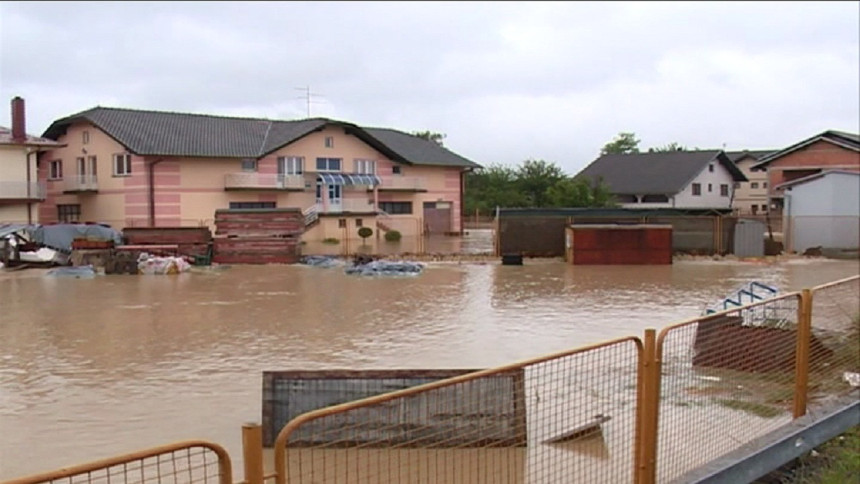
pixel 386 268
pixel 60 236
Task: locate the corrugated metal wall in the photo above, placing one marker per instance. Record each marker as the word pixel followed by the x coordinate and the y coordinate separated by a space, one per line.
pixel 749 238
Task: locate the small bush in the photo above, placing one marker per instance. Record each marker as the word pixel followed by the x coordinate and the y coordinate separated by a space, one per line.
pixel 365 232
pixel 392 236
pixel 330 240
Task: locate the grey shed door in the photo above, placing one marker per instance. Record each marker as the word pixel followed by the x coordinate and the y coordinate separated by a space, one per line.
pixel 749 238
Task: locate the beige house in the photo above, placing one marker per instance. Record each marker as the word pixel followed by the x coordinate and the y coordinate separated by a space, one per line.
pixel 129 168
pixel 20 190
pixel 750 196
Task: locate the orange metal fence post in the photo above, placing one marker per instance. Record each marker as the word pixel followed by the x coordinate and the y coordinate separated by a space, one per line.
pixel 648 403
pixel 801 368
pixel 252 452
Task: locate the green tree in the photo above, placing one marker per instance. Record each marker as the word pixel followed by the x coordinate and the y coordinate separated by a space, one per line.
pixel 534 178
pixel 673 146
pixel 431 136
pixel 623 143
pixel 491 187
pixel 580 192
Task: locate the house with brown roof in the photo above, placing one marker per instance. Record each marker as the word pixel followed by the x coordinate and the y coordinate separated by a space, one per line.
pixel 830 150
pixel 129 168
pixel 672 179
pixel 20 190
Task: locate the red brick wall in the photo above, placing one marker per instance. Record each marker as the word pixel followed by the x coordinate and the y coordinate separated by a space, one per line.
pixel 818 156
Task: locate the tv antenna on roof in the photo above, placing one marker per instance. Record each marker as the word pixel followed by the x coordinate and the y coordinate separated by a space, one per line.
pixel 308 97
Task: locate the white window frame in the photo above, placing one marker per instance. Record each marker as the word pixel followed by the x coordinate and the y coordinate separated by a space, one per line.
pixel 85 137
pixel 329 141
pixel 366 167
pixel 328 164
pixel 291 165
pixel 122 160
pixel 248 165
pixel 55 170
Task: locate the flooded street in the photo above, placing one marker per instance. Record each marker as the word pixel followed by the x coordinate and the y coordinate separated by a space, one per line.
pixel 91 368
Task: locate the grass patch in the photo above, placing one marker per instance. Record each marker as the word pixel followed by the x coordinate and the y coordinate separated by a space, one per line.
pixel 759 409
pixel 837 462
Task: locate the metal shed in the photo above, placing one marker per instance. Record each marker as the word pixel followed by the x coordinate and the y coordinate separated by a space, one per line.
pixel 749 238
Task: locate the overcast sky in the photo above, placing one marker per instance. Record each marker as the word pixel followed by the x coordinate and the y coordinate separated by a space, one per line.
pixel 506 81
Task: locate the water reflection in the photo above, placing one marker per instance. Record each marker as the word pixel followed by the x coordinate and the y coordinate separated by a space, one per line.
pixel 95 367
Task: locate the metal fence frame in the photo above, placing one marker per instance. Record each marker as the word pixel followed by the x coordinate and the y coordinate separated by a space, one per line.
pixel 225 469
pixel 280 446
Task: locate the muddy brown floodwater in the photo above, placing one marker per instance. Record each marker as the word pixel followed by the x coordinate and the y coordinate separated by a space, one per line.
pixel 91 368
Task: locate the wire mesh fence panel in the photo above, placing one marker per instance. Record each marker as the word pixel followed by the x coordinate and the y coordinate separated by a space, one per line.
pixel 566 418
pixel 834 356
pixel 171 464
pixel 726 379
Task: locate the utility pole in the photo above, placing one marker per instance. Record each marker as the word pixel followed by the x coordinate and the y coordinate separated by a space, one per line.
pixel 307 97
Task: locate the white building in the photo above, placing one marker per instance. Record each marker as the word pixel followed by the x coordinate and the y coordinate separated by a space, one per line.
pixel 822 210
pixel 20 191
pixel 673 179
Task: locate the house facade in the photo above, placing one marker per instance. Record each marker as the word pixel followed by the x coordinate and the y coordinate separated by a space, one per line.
pixel 130 168
pixel 20 190
pixel 750 197
pixel 822 210
pixel 675 179
pixel 830 150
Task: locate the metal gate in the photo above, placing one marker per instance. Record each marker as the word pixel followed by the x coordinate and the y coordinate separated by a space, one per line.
pixel 749 238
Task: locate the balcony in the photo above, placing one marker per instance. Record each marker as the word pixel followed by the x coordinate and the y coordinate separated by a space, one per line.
pixel 22 191
pixel 347 205
pixel 261 181
pixel 80 183
pixel 403 184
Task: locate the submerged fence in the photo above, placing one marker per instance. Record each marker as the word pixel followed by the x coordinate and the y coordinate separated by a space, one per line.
pixel 628 410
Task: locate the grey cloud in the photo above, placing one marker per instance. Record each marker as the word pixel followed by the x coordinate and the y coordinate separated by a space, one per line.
pixel 505 80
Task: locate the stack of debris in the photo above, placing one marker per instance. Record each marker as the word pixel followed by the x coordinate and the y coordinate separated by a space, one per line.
pixel 258 236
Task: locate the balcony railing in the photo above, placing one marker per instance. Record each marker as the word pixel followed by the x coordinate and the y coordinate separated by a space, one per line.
pixel 348 205
pixel 405 183
pixel 22 190
pixel 263 181
pixel 81 183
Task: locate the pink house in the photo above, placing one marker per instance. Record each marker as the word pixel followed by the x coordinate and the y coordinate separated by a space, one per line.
pixel 128 167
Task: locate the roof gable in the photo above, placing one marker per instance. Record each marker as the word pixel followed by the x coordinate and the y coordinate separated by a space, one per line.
pixel 655 173
pixel 840 138
pixel 816 176
pixel 161 133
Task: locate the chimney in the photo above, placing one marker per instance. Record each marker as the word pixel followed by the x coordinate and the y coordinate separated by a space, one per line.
pixel 19 130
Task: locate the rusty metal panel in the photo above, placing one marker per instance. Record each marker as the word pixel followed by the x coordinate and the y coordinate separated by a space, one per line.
pixel 434 419
pixel 749 238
